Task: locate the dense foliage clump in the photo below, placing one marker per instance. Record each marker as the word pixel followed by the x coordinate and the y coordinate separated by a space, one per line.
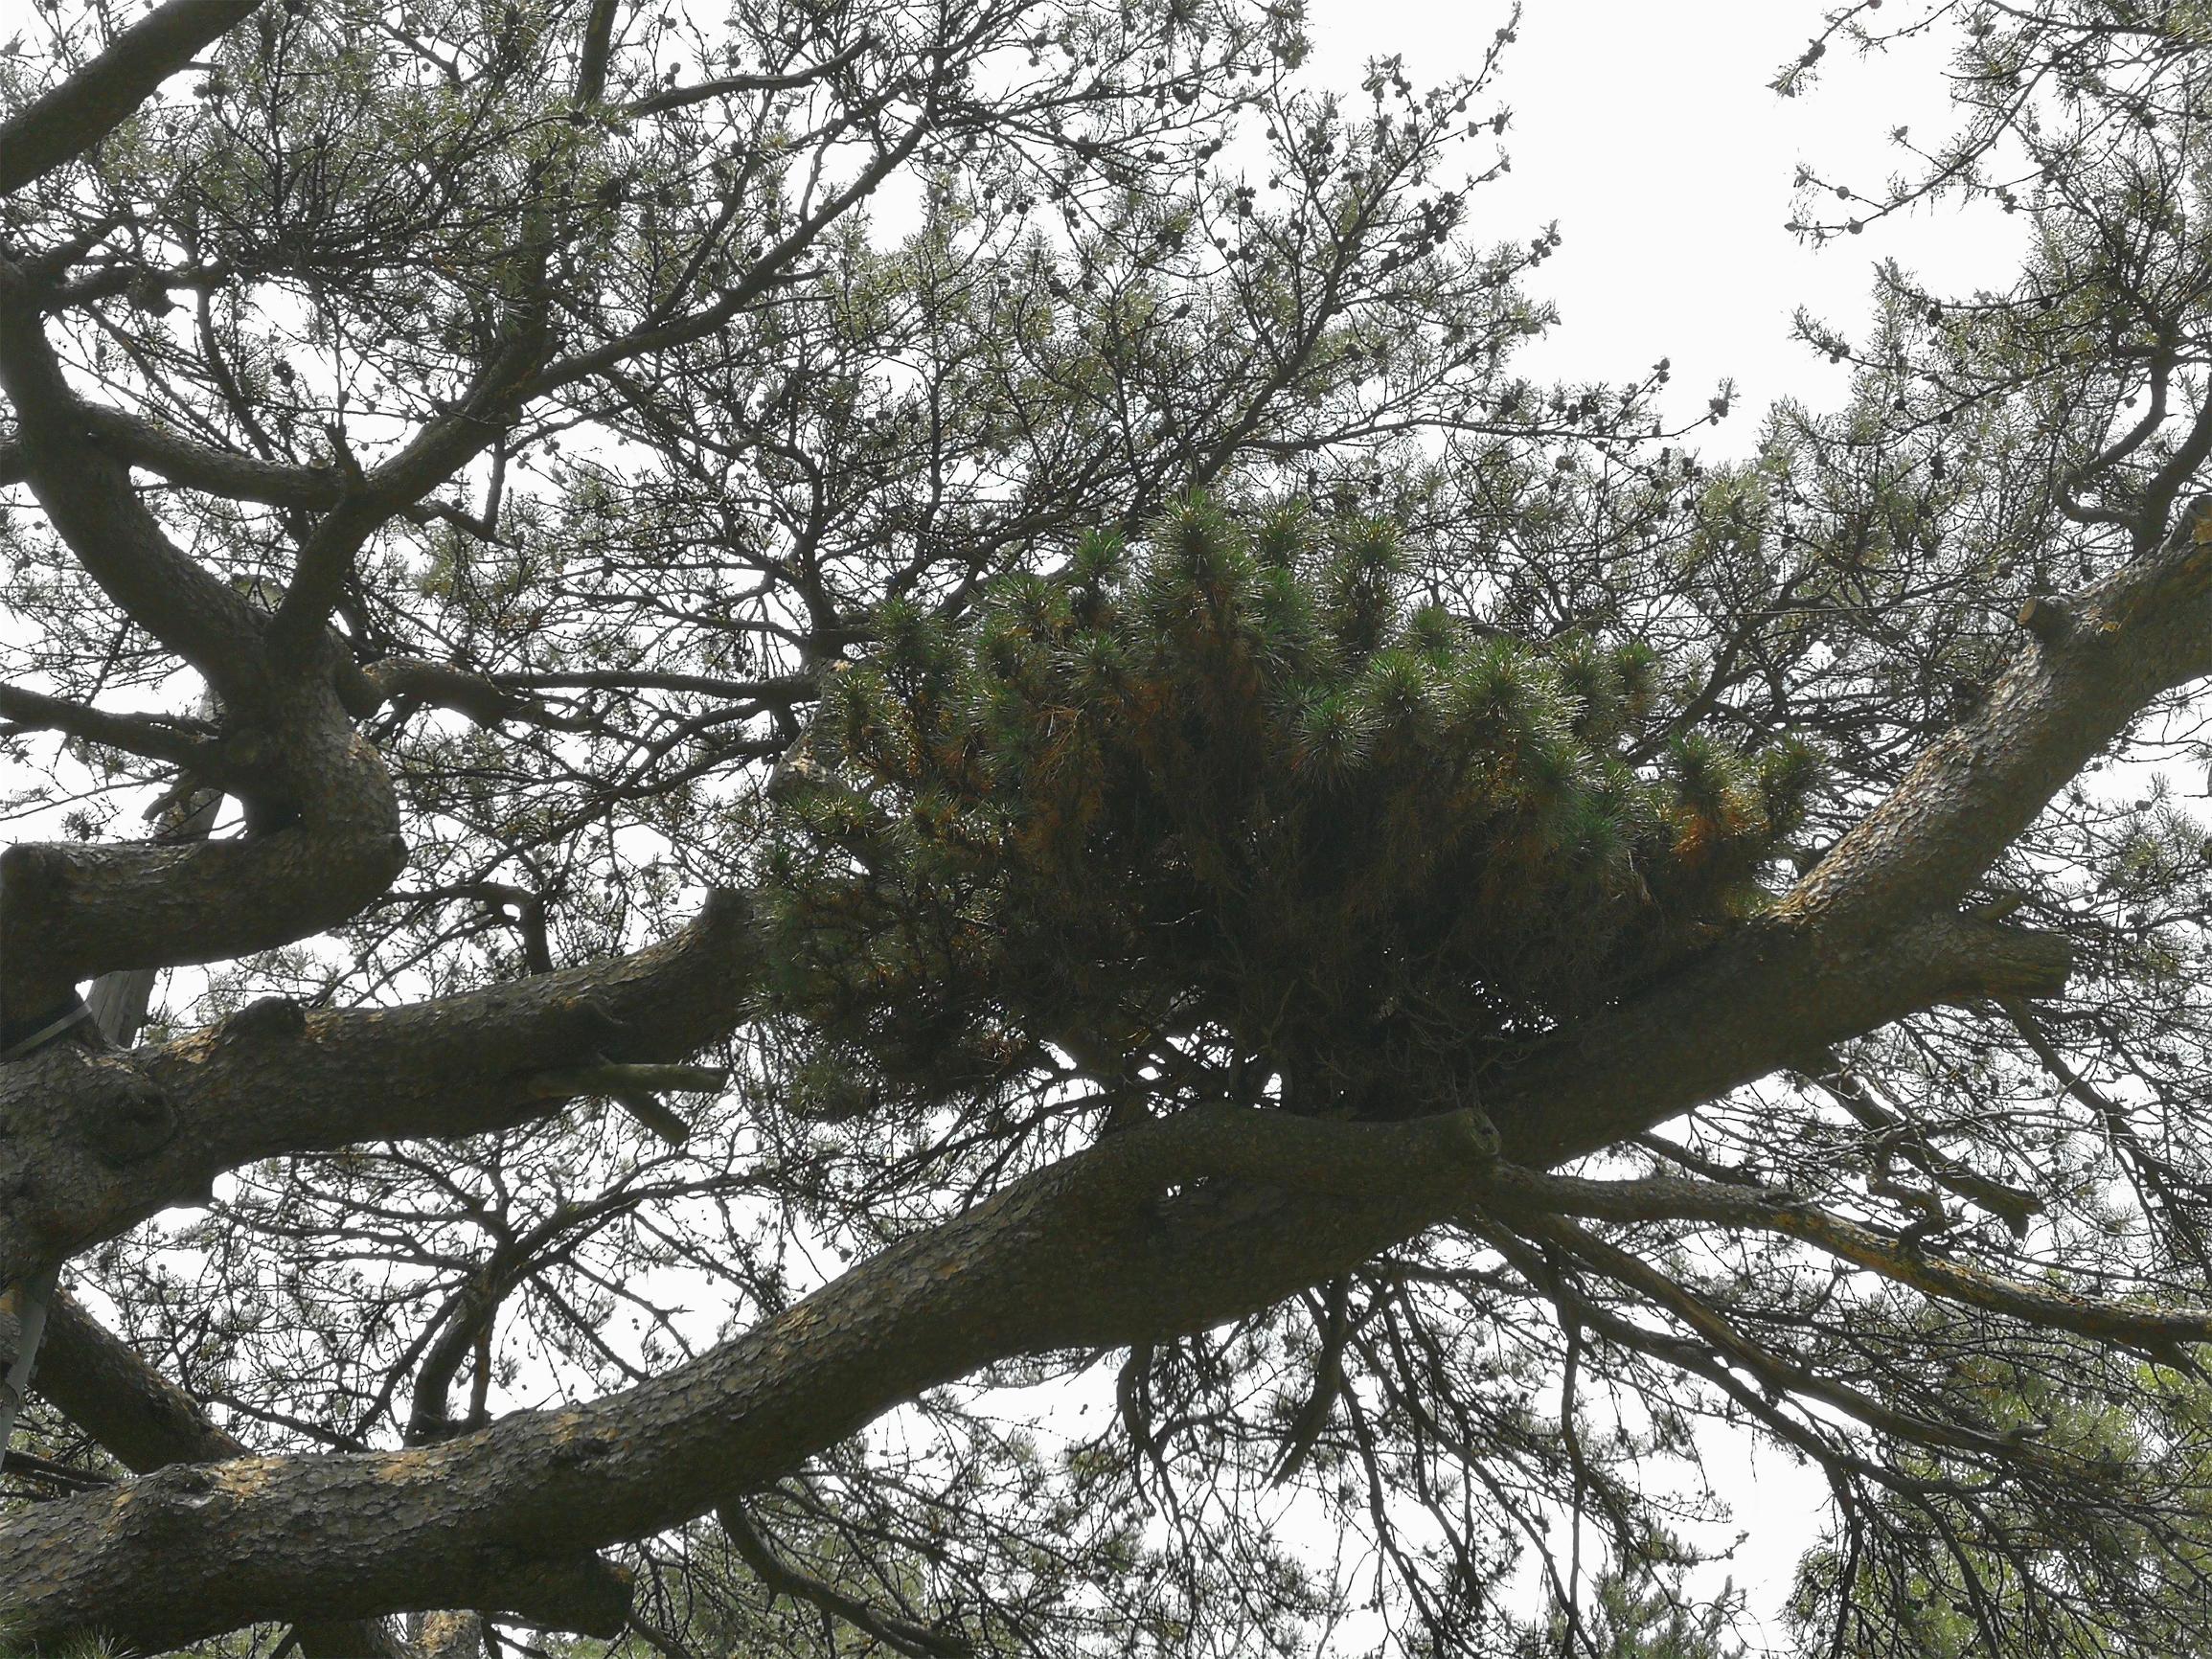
pixel 1231 811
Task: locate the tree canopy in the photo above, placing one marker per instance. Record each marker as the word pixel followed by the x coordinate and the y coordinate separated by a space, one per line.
pixel 840 830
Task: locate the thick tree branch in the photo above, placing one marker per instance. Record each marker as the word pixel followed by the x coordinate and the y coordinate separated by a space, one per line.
pixel 1777 995
pixel 1169 1228
pixel 328 845
pixel 1136 1238
pixel 592 60
pixel 145 1422
pixel 2141 632
pixel 1868 936
pixel 94 1143
pixel 97 1381
pixel 167 455
pixel 325 820
pixel 63 123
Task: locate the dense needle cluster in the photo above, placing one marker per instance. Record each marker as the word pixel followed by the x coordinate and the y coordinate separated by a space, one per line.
pixel 1230 812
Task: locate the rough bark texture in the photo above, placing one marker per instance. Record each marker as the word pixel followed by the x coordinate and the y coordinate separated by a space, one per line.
pixel 146 1423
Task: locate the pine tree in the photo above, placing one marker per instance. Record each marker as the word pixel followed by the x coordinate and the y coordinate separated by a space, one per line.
pixel 1128 698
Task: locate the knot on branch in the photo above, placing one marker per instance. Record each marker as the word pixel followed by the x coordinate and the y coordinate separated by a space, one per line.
pixel 128 1118
pixel 180 1502
pixel 1986 959
pixel 2049 620
pixel 272 1018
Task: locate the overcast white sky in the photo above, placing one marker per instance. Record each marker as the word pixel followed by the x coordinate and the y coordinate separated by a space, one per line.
pixel 1646 129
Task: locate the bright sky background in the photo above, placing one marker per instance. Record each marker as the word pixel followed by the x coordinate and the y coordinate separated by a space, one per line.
pixel 1646 129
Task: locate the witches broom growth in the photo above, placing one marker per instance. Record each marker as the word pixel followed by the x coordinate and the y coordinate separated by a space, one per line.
pixel 1228 812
